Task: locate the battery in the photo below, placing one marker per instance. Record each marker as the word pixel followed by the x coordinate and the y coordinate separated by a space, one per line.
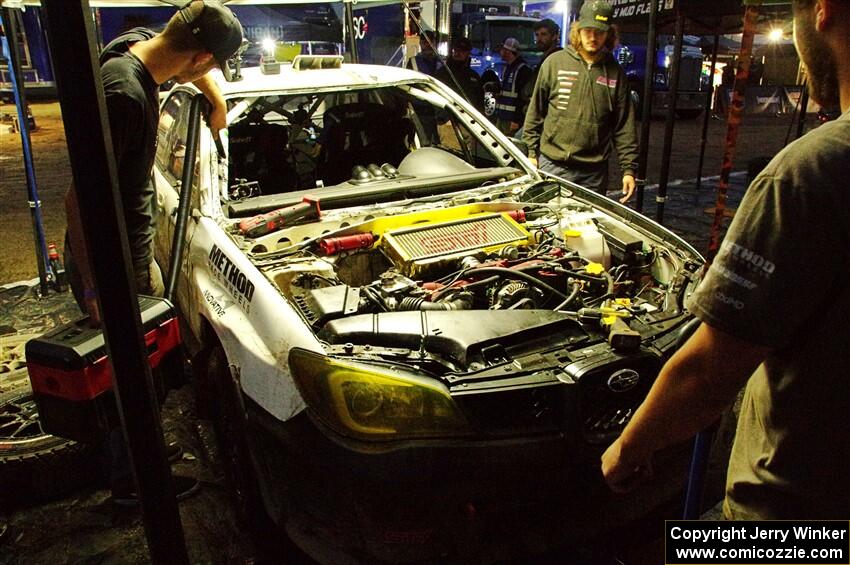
pixel 72 379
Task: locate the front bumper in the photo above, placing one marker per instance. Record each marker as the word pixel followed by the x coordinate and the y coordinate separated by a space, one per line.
pixel 446 501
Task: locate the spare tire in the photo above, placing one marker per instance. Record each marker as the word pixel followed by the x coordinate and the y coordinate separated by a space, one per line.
pixel 36 466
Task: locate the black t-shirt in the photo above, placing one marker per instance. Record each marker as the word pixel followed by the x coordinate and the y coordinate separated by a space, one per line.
pixel 133 106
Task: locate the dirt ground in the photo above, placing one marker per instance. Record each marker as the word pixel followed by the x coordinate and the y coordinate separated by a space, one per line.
pixel 761 136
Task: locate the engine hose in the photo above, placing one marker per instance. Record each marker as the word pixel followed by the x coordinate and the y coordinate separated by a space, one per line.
pixel 580 275
pixel 376 300
pixel 573 295
pixel 508 273
pixel 461 302
pixel 438 294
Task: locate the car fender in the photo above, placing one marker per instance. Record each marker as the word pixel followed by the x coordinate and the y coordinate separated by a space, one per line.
pixel 257 328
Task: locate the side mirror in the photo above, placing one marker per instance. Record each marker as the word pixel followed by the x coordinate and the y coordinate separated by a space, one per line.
pixel 521 145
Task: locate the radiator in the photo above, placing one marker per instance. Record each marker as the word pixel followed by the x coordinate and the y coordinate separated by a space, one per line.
pixel 433 247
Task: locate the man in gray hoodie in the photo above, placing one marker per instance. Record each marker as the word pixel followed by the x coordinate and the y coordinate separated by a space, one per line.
pixel 581 105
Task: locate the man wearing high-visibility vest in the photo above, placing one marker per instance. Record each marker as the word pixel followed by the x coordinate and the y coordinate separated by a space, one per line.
pixel 509 107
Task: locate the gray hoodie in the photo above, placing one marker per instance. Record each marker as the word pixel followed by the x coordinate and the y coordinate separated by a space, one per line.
pixel 578 109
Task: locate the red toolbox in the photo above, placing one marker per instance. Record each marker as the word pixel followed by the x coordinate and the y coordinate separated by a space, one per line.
pixel 72 379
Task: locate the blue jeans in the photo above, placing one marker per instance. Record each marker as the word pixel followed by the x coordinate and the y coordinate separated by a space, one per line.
pixel 592 177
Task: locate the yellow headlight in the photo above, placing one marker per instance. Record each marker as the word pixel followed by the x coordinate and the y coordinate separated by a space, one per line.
pixel 374 403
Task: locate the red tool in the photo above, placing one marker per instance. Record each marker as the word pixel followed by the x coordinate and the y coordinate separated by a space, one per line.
pixel 332 245
pixel 276 219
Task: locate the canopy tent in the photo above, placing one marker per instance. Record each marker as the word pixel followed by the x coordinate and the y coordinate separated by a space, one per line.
pixel 702 17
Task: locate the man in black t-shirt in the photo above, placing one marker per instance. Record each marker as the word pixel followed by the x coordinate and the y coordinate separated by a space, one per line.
pixel 772 306
pixel 200 36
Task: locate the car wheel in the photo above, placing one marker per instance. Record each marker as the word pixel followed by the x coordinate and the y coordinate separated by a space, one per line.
pixel 489 104
pixel 230 426
pixel 34 465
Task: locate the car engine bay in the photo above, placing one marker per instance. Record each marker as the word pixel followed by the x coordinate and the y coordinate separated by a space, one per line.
pixel 518 280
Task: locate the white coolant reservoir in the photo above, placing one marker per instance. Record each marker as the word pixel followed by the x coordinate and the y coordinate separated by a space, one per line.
pixel 581 235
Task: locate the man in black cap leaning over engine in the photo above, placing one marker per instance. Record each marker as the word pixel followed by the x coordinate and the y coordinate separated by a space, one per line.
pixel 200 36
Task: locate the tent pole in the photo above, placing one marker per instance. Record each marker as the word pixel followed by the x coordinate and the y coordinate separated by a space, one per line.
pixel 736 114
pixel 350 33
pixel 84 116
pixel 10 52
pixel 670 123
pixel 707 113
pixel 646 102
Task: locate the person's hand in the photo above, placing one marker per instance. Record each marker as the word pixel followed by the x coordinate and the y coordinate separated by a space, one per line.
pixel 514 127
pixel 628 188
pixel 218 118
pixel 92 307
pixel 623 472
pixel 534 161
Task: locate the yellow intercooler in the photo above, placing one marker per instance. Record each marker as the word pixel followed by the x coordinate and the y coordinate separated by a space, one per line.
pixel 434 247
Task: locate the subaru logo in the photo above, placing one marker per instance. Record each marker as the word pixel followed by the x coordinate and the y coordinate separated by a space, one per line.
pixel 623 380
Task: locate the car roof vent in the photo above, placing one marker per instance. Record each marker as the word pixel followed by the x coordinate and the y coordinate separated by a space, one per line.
pixel 314 62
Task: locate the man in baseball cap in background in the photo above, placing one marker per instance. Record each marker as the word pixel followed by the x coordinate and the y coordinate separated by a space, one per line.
pixel 581 105
pixel 509 105
pixel 199 37
pixel 458 75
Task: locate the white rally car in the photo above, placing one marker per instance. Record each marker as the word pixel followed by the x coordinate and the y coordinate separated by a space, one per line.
pixel 415 346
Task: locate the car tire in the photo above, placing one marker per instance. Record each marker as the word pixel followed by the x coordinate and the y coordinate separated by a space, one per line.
pixel 230 424
pixel 34 465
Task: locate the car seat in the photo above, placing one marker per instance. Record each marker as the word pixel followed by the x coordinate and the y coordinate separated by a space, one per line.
pixel 259 152
pixel 361 133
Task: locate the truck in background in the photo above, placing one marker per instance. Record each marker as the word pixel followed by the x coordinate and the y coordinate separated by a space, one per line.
pixel 631 54
pixel 487 31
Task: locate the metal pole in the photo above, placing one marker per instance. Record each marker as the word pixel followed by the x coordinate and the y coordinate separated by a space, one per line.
pixel 444 12
pixel 646 101
pixel 350 34
pixel 673 85
pixel 185 195
pixel 804 103
pixel 736 114
pixel 707 113
pixel 10 52
pixel 71 32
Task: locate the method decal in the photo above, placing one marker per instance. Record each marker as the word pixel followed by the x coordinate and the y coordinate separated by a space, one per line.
pixel 234 280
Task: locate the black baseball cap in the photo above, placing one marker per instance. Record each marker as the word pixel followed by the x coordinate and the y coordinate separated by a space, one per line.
pixel 462 43
pixel 596 14
pixel 217 30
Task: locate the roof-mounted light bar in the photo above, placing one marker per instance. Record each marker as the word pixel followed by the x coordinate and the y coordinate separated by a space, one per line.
pixel 316 62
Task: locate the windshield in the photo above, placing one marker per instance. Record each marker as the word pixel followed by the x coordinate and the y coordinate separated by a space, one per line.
pixel 499 31
pixel 280 144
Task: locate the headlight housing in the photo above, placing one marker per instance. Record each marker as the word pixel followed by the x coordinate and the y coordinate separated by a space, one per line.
pixel 374 403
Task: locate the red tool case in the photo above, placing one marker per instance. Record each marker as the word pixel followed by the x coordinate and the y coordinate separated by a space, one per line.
pixel 72 379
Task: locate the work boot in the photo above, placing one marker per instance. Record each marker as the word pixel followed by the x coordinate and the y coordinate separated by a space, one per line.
pixel 126 495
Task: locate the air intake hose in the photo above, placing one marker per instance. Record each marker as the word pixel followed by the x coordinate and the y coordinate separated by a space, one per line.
pixel 460 301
